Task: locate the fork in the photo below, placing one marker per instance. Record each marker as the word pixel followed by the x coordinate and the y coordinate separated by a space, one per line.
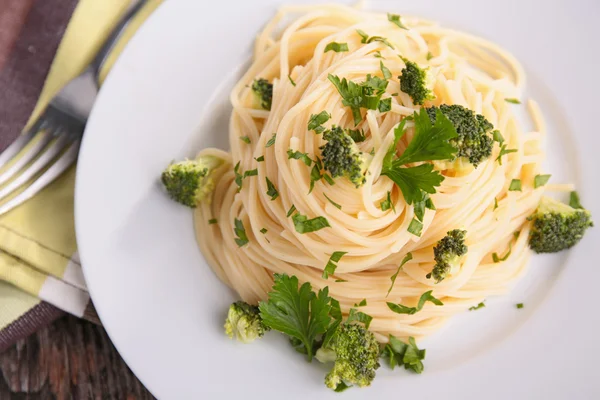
pixel 51 145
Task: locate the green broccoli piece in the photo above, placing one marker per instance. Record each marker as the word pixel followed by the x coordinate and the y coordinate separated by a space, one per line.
pixel 414 82
pixel 474 141
pixel 355 352
pixel 244 321
pixel 264 91
pixel 448 254
pixel 342 157
pixel 557 226
pixel 191 181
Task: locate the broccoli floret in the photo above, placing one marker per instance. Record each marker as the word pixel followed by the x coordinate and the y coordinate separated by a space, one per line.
pixel 191 181
pixel 414 81
pixel 264 91
pixel 243 321
pixel 448 254
pixel 355 352
pixel 557 226
pixel 342 157
pixel 474 141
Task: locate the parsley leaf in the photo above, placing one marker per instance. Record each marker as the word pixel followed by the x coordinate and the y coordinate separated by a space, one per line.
pixel 362 303
pixel 316 121
pixel 415 227
pixel 574 201
pixel 291 80
pixel 337 47
pixel 263 230
pixel 332 263
pixel 251 172
pixel 387 203
pixel 360 95
pixel 515 185
pixel 365 38
pixel 498 259
pixel 408 354
pixel 212 221
pixel 406 259
pixel 540 180
pixel 430 142
pixel 477 307
pixel 429 55
pixel 240 231
pixel 305 225
pixel 271 141
pixel 336 205
pixel 520 305
pixel 514 101
pixel 503 151
pixel 245 139
pixel 297 312
pixel 238 177
pixel 260 159
pixel 414 181
pixel 395 19
pixel 291 211
pixel 401 309
pixel 495 203
pixel 385 71
pixel 358 135
pixel 271 189
pixel 355 315
pixel 385 105
pixel 296 155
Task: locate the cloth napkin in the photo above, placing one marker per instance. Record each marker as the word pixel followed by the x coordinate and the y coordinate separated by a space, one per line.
pixel 44 44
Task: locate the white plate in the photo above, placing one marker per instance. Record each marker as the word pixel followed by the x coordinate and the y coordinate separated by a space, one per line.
pixel 163 307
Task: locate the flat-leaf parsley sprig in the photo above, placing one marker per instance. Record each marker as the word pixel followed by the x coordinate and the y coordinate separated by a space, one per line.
pixel 430 142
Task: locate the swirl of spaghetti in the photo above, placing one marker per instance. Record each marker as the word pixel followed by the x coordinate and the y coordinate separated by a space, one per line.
pixel 467 71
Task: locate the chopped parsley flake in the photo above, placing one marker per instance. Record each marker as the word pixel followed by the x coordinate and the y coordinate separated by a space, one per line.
pixel 240 231
pixel 305 225
pixel 415 227
pixel 337 47
pixel 332 263
pixel 513 101
pixel 271 141
pixel 396 19
pixel 271 189
pixel 402 309
pixel 365 38
pixel 406 259
pixel 515 185
pixel 212 221
pixel 296 155
pixel 477 307
pixel 245 139
pixel 540 180
pixel 336 205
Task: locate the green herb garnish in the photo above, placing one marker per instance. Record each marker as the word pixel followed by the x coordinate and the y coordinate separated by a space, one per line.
pixel 332 263
pixel 406 259
pixel 240 232
pixel 305 225
pixel 402 309
pixel 271 189
pixel 515 185
pixel 540 180
pixel 337 47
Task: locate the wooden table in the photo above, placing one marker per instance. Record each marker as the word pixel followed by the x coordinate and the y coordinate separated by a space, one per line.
pixel 70 359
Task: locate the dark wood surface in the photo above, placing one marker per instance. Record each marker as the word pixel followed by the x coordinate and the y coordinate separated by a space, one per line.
pixel 70 359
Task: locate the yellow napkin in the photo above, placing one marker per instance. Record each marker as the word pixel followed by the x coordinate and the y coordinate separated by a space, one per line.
pixel 38 252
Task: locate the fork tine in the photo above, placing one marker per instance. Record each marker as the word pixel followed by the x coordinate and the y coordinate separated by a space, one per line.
pixel 60 166
pixel 26 158
pixel 21 141
pixel 47 156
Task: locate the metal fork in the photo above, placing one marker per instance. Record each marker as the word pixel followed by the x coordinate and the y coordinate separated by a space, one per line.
pixel 51 145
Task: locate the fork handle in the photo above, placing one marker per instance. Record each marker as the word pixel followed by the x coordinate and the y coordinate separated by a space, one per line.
pixel 113 37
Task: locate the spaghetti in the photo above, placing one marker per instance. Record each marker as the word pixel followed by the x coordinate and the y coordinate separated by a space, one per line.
pixel 468 71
